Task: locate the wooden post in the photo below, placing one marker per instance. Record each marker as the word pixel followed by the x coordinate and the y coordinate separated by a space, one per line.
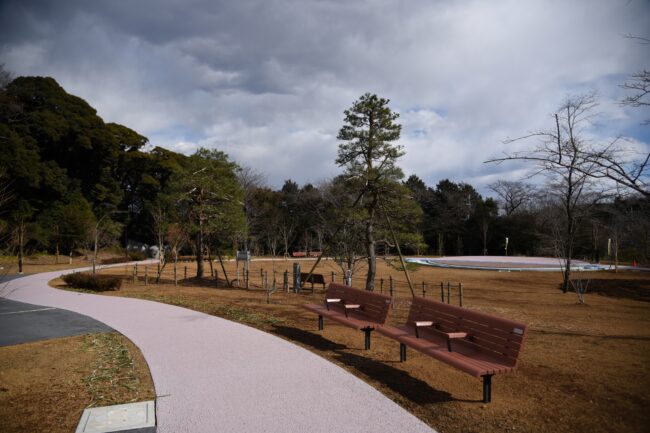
pixel 390 285
pixel 460 289
pixel 135 274
pixel 333 277
pixel 442 293
pixel 175 273
pixel 216 279
pixel 296 278
pixel 265 279
pixel 424 289
pixel 136 270
pixel 381 286
pixel 247 279
pixel 185 274
pixel 93 266
pixel 285 281
pixel 262 278
pixel 146 275
pixel 448 292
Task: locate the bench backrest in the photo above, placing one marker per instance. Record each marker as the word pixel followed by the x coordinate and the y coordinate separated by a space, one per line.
pixel 501 337
pixel 375 306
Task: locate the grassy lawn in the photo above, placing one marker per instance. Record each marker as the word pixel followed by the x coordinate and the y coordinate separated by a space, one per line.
pixel 45 385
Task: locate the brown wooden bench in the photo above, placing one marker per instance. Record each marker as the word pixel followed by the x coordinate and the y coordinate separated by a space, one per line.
pixel 358 309
pixel 313 279
pixel 477 343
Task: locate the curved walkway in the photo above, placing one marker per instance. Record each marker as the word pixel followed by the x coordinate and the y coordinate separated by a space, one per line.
pixel 212 375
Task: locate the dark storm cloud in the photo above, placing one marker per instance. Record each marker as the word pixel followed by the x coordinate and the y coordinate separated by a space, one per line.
pixel 267 81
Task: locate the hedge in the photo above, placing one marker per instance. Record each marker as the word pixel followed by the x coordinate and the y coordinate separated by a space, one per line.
pixel 96 283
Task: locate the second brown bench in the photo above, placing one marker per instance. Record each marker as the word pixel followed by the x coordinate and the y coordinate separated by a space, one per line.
pixel 356 308
pixel 477 343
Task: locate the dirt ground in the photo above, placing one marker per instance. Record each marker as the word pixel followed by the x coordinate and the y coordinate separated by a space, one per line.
pixel 585 368
pixel 45 385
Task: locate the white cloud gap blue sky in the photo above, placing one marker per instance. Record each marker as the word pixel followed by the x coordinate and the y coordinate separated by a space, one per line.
pixel 267 81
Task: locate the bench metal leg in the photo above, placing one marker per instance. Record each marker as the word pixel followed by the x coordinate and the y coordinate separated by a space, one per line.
pixel 402 352
pixel 487 388
pixel 367 332
pixel 320 323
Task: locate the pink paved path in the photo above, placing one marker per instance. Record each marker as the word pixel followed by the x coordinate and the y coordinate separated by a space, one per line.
pixel 212 375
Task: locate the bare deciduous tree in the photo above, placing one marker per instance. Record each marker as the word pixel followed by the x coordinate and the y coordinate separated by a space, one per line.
pixel 639 84
pixel 513 195
pixel 566 157
pixel 250 180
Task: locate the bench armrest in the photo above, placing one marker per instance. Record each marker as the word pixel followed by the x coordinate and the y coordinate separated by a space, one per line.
pixel 351 307
pixel 421 324
pixel 454 336
pixel 329 301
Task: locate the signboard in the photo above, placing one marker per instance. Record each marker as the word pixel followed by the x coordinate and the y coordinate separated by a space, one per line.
pixel 243 255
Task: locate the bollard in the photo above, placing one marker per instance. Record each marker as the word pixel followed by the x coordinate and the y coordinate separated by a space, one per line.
pixel 390 285
pixel 333 277
pixel 185 274
pixel 424 289
pixel 247 279
pixel 442 292
pixel 460 290
pixel 136 269
pixel 381 286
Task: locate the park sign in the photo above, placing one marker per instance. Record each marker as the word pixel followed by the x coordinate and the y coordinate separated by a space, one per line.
pixel 243 255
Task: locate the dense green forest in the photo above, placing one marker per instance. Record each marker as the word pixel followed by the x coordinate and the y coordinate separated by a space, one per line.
pixel 71 183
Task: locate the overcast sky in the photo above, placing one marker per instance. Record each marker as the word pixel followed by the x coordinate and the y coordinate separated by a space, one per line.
pixel 267 81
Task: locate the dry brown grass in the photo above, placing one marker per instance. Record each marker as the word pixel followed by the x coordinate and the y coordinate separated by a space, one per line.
pixel 45 385
pixel 585 368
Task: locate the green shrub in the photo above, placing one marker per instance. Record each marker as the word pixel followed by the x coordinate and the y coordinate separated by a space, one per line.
pixel 96 283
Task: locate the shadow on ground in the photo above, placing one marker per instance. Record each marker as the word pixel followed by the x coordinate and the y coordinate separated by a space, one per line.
pixel 397 380
pixel 638 290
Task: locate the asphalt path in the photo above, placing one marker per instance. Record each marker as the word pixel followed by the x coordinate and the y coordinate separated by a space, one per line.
pixel 25 323
pixel 212 375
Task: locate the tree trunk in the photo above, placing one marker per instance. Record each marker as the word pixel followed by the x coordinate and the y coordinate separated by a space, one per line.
pixel 370 248
pixel 199 252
